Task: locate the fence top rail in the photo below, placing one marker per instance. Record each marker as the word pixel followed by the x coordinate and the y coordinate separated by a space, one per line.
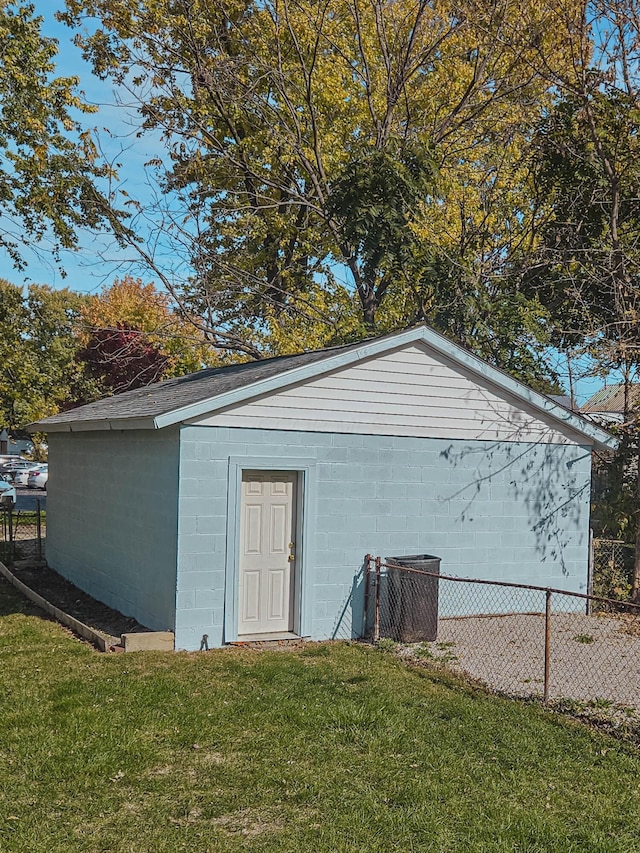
pixel 545 589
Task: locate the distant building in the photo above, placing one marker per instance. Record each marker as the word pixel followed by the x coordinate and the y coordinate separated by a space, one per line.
pixel 607 405
pixel 563 400
pixel 11 445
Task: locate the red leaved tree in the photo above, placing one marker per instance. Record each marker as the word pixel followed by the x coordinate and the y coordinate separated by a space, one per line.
pixel 122 358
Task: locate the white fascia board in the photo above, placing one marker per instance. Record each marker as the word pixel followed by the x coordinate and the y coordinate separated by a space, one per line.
pixel 369 349
pixel 290 377
pixel 570 420
pixel 101 425
pixel 37 427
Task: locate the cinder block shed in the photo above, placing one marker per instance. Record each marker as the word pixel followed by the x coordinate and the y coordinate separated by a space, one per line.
pixel 239 502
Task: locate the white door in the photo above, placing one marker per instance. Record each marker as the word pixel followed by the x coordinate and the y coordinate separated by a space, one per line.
pixel 267 552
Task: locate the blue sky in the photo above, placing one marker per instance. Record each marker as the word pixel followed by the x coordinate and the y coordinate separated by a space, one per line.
pixel 98 262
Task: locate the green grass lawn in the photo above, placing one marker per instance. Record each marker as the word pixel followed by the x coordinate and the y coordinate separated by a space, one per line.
pixel 332 748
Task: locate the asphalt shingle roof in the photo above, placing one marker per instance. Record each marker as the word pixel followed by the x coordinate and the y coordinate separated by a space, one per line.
pixel 611 399
pixel 172 394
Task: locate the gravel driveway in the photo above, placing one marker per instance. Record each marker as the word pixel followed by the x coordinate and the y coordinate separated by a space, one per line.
pixel 593 658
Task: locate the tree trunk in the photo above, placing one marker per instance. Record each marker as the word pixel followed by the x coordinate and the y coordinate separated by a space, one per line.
pixel 369 313
pixel 369 306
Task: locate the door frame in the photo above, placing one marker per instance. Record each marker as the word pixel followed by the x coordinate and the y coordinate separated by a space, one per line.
pixel 305 530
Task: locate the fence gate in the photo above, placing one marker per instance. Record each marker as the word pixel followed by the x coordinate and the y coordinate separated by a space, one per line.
pixel 22 534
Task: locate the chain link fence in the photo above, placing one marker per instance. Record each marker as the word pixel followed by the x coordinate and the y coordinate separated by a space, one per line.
pixel 22 534
pixel 612 568
pixel 517 639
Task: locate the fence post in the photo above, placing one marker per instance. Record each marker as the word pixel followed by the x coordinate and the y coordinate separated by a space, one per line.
pixel 547 645
pixel 10 517
pixel 38 530
pixel 590 570
pixel 376 620
pixel 367 585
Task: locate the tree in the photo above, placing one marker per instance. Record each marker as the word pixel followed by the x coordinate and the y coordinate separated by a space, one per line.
pixel 59 349
pixel 121 359
pixel 49 165
pixel 130 305
pixel 269 109
pixel 37 352
pixel 586 265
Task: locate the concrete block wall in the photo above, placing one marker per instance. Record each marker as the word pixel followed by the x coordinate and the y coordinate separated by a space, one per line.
pixel 112 518
pixel 496 510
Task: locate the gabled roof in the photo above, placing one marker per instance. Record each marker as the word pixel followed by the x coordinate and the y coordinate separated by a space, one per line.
pixel 177 400
pixel 611 399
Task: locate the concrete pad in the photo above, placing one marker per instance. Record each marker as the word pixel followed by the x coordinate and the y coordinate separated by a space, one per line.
pixel 147 641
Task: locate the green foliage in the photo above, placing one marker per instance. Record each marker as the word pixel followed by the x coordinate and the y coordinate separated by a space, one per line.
pixel 588 169
pixel 584 638
pixel 44 345
pixel 373 198
pixel 38 345
pixel 386 644
pixel 586 266
pixel 48 164
pixel 436 653
pixel 612 492
pixel 612 519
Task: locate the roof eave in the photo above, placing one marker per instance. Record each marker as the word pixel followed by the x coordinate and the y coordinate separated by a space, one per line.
pixel 596 435
pixel 289 377
pixel 99 424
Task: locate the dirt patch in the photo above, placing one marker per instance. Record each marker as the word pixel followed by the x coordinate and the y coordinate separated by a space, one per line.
pixel 247 823
pixel 73 601
pixel 593 659
pixel 272 645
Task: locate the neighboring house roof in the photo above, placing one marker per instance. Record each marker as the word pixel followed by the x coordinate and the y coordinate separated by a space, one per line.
pixel 610 399
pixel 562 400
pixel 176 400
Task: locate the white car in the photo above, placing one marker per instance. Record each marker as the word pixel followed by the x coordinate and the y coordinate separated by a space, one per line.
pixel 10 469
pixel 21 477
pixel 7 491
pixel 38 479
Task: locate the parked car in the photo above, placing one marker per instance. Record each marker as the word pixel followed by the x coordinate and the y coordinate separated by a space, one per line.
pixel 38 479
pixel 7 491
pixel 10 469
pixel 21 477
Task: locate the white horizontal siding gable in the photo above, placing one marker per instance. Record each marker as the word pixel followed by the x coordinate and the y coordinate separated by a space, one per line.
pixel 409 391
